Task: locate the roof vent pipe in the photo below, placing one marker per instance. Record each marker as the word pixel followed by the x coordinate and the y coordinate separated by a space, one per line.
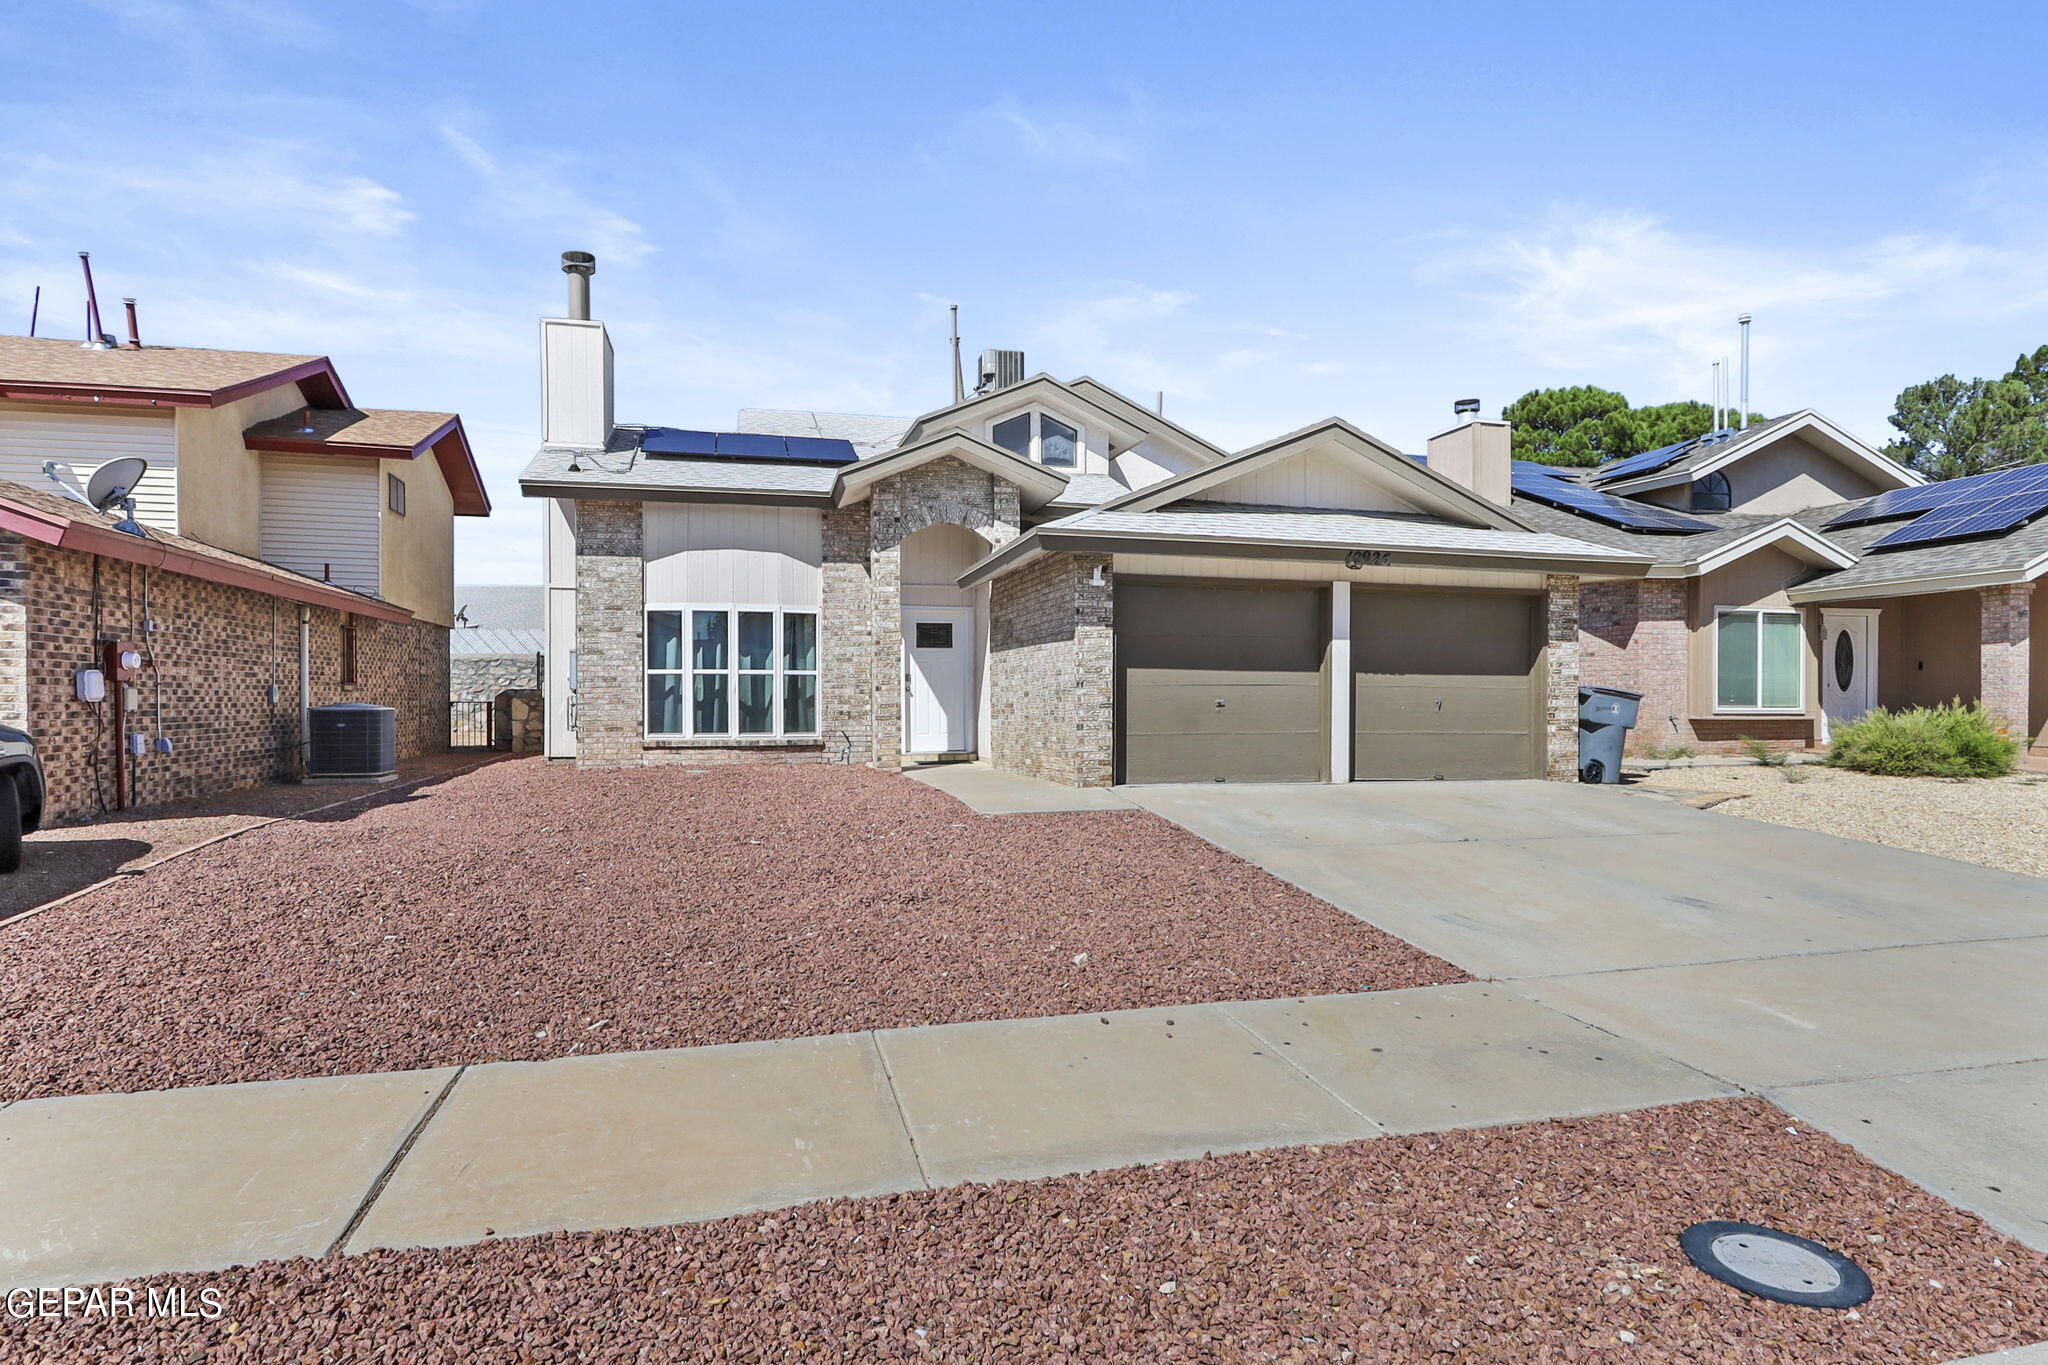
pixel 579 266
pixel 1743 323
pixel 1466 409
pixel 1715 395
pixel 134 327
pixel 95 338
pixel 959 380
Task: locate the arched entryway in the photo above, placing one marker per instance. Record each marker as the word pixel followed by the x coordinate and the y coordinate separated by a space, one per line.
pixel 945 643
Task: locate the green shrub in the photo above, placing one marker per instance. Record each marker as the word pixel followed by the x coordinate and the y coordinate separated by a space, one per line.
pixel 1954 741
pixel 1764 753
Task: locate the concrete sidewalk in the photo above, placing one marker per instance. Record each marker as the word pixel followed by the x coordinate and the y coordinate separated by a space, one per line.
pixel 988 791
pixel 99 1187
pixel 1898 1001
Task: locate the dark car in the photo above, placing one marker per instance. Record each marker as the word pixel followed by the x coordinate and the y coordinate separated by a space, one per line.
pixel 21 793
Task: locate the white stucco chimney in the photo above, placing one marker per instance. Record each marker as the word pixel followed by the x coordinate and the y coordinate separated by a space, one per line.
pixel 576 367
pixel 1476 453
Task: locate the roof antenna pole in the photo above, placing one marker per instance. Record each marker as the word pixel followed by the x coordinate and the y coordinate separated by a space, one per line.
pixel 94 337
pixel 1743 323
pixel 35 307
pixel 959 380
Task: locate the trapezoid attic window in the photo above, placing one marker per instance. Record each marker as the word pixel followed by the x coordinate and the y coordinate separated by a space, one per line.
pixel 1038 436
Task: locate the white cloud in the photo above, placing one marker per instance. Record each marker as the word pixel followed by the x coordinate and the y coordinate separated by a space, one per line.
pixel 1592 288
pixel 534 188
pixel 1109 137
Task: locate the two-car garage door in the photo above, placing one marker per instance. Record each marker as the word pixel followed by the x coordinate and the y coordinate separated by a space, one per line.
pixel 1229 683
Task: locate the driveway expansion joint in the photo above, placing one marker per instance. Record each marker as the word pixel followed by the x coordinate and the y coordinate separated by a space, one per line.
pixel 383 1179
pixel 896 1102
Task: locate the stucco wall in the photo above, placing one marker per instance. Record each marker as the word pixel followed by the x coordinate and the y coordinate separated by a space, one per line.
pixel 220 480
pixel 417 554
pixel 1755 580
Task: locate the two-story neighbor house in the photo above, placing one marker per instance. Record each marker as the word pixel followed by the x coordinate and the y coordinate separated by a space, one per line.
pixel 288 548
pixel 1813 580
pixel 1051 577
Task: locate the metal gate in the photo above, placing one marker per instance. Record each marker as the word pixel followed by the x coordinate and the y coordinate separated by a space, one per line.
pixel 469 724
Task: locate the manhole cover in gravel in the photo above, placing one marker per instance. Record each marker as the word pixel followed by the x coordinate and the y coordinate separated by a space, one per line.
pixel 1775 1265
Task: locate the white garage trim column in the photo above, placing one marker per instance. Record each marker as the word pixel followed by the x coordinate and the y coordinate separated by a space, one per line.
pixel 1340 681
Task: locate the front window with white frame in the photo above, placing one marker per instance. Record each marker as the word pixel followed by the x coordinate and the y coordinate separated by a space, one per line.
pixel 732 671
pixel 1040 437
pixel 1759 660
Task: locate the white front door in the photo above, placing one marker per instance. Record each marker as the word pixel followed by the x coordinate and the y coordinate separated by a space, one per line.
pixel 938 680
pixel 1848 665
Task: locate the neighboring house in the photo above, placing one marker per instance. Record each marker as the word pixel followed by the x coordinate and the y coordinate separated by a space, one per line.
pixel 1809 579
pixel 275 518
pixel 1053 578
pixel 497 641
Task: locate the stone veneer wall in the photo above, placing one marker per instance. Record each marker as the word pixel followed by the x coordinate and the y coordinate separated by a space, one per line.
pixel 2004 631
pixel 611 587
pixel 217 650
pixel 1561 677
pixel 1052 671
pixel 945 491
pixel 480 677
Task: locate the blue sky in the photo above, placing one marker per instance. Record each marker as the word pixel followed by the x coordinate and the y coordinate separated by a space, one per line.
pixel 1274 213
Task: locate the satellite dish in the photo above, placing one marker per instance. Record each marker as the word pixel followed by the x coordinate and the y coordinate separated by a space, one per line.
pixel 114 481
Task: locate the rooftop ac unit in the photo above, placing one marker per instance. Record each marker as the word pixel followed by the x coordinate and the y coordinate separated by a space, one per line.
pixel 999 370
pixel 352 739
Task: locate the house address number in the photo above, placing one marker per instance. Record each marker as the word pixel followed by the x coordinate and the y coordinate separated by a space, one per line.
pixel 1368 559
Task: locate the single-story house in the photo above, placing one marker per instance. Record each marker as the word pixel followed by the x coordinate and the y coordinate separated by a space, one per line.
pixel 286 548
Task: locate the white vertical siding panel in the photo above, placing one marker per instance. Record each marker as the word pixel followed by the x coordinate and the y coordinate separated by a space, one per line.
pixel 87 440
pixel 730 552
pixel 320 515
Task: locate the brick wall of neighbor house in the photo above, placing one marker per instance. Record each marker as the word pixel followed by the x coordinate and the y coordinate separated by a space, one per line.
pixel 2004 632
pixel 217 649
pixel 1561 677
pixel 1633 635
pixel 942 492
pixel 480 677
pixel 1052 670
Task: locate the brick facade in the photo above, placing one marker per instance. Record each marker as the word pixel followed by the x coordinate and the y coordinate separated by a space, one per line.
pixel 1561 677
pixel 2004 635
pixel 1634 635
pixel 217 651
pixel 846 638
pixel 611 587
pixel 1052 670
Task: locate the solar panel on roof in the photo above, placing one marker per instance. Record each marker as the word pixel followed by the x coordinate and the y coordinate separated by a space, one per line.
pixel 1902 502
pixel 1554 471
pixel 670 441
pixel 1630 516
pixel 1997 506
pixel 1646 462
pixel 747 445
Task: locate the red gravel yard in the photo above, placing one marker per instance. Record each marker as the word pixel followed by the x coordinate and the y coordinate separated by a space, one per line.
pixel 1506 1246
pixel 522 911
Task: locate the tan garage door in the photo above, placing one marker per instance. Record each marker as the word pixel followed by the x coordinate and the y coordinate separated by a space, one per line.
pixel 1220 684
pixel 1445 685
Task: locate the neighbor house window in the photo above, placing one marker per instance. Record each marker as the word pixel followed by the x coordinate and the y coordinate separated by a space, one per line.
pixel 732 671
pixel 1038 436
pixel 1758 661
pixel 1712 494
pixel 348 649
pixel 394 493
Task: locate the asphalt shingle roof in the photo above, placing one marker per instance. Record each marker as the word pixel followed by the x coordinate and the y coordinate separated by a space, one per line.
pixel 354 426
pixel 1243 521
pixel 1697 454
pixel 623 462
pixel 506 605
pixel 59 360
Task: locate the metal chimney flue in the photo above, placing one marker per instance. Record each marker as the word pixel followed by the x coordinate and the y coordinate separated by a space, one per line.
pixel 1465 409
pixel 1743 323
pixel 134 327
pixel 579 266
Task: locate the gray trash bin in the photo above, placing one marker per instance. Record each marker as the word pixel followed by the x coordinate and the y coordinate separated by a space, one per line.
pixel 1605 716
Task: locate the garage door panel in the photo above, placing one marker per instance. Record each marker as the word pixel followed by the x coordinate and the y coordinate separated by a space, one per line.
pixel 1158 706
pixel 1443 686
pixel 1224 758
pixel 1182 649
pixel 1416 756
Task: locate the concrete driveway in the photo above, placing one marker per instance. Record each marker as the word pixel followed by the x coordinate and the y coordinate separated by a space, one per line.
pixel 1897 1000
